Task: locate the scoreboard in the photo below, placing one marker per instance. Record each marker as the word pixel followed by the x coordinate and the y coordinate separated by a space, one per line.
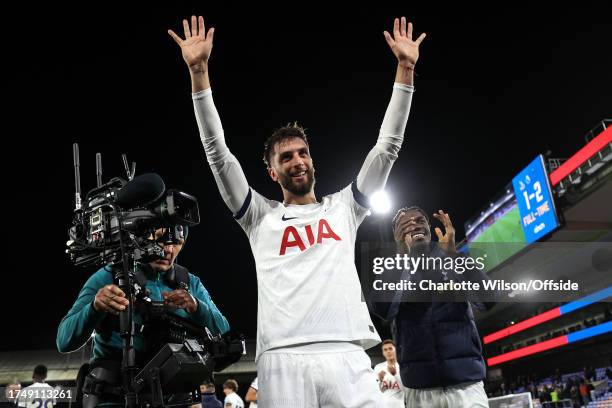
pixel 535 201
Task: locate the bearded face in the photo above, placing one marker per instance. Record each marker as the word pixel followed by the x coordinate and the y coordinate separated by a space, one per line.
pixel 299 181
pixel 292 167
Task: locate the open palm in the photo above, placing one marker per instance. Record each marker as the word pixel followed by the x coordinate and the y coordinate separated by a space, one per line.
pixel 446 239
pixel 405 49
pixel 197 45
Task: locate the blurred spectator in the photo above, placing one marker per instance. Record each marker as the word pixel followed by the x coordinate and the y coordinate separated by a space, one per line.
pixel 575 395
pixel 557 376
pixel 554 395
pixel 10 393
pixel 543 394
pixel 232 400
pixel 584 392
pixel 209 399
pixel 590 374
pixel 38 377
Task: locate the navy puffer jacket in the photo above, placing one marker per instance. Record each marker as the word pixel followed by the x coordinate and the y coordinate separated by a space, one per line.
pixel 438 344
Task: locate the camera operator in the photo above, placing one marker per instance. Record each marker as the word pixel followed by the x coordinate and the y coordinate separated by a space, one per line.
pixel 100 301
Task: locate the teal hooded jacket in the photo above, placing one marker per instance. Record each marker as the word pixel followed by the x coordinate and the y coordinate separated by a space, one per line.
pixel 82 319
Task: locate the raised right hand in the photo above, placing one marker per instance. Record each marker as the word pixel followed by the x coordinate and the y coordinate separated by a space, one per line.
pixel 197 45
pixel 111 299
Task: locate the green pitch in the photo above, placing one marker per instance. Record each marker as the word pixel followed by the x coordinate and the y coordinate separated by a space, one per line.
pixel 500 240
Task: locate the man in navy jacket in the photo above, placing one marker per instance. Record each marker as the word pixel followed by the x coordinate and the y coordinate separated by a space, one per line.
pixel 439 349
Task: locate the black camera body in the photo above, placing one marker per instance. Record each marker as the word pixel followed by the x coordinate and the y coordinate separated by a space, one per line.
pixel 187 354
pixel 138 208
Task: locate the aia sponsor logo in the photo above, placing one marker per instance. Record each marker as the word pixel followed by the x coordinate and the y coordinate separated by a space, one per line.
pixel 390 385
pixel 292 238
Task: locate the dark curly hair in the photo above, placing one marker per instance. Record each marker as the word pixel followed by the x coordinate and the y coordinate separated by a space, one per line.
pixel 401 211
pixel 292 130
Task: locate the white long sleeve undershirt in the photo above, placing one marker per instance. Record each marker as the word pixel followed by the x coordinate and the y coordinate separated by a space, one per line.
pixel 232 182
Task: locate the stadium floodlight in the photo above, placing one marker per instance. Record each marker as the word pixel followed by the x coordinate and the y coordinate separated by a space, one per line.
pixel 380 202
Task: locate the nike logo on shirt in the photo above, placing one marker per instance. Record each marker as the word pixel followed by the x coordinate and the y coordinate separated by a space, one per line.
pixel 287 219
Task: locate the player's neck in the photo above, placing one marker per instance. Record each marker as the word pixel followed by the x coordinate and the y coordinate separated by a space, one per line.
pixel 391 362
pixel 290 198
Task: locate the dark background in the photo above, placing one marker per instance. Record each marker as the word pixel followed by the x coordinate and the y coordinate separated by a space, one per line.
pixel 495 87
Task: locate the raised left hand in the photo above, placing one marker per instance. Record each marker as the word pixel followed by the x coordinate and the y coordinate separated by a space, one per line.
pixel 403 47
pixel 446 240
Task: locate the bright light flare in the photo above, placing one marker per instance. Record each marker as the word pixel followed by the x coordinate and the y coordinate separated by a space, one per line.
pixel 380 202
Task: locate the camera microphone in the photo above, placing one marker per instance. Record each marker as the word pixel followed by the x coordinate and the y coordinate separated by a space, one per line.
pixel 140 191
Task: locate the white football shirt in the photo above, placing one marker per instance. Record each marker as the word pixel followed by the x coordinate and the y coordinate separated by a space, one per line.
pixel 391 385
pixel 37 389
pixel 307 281
pixel 233 400
pixel 308 288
